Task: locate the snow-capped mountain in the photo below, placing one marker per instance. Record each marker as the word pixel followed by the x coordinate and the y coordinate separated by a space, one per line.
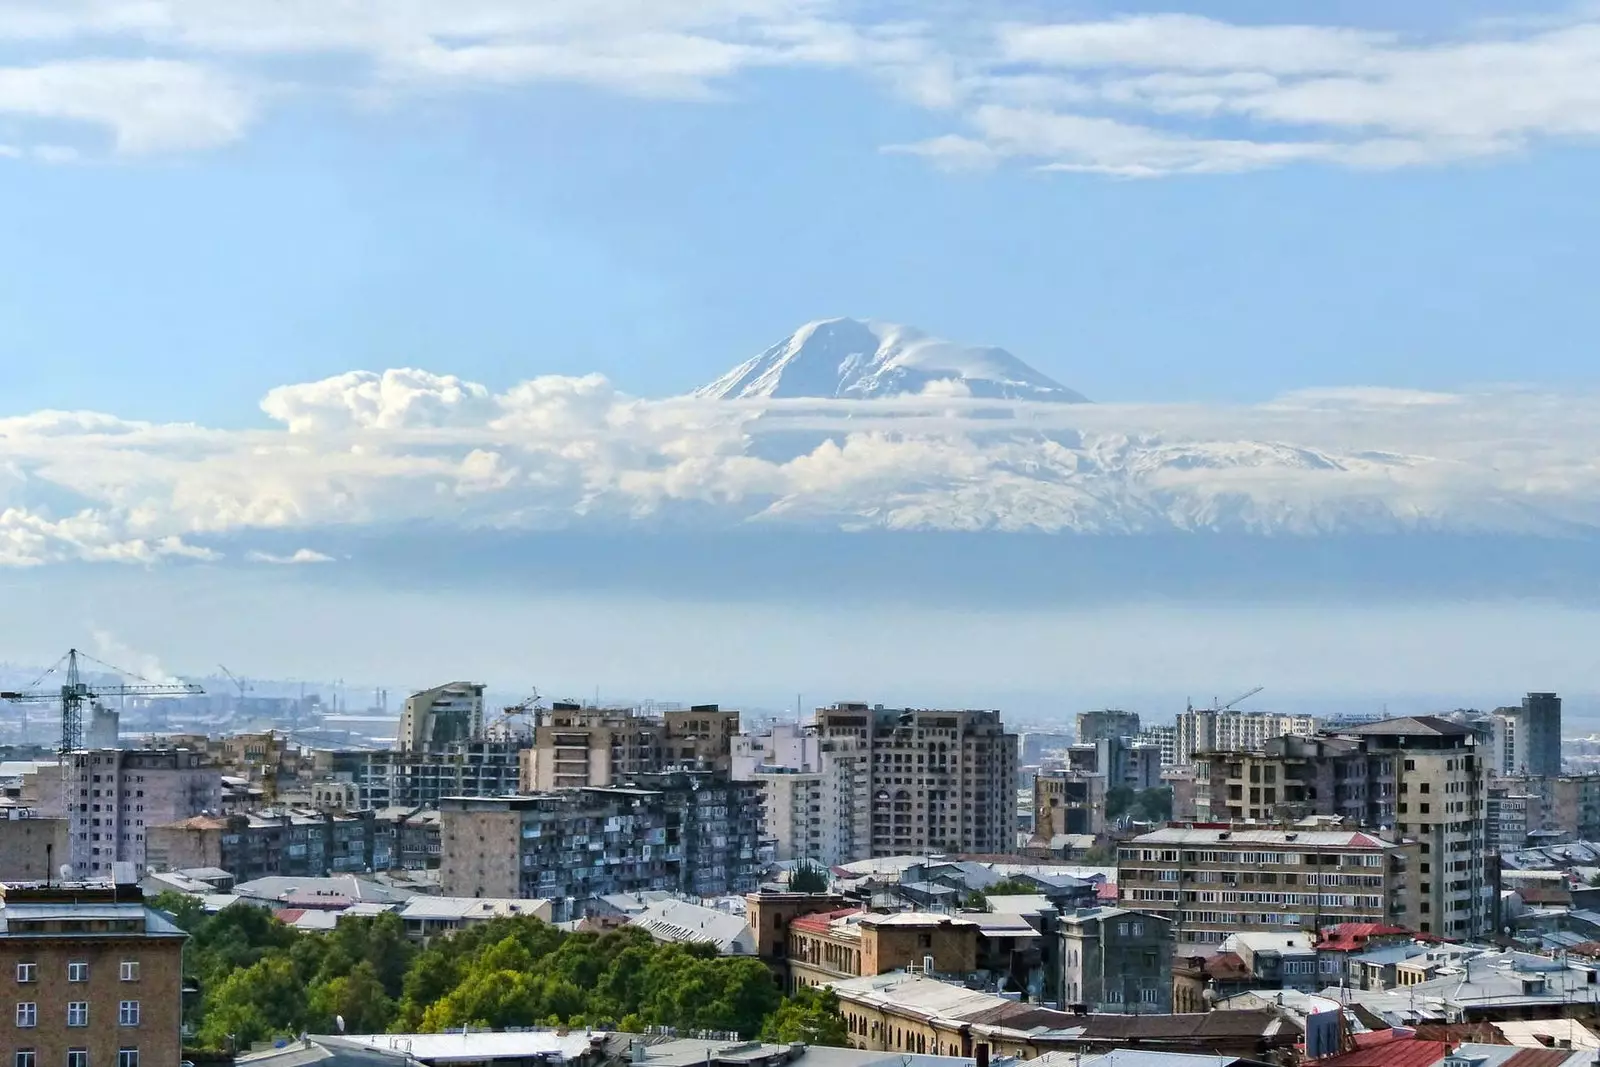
pixel 851 359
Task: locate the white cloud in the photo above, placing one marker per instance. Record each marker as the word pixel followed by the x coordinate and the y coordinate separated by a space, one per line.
pixel 1139 96
pixel 295 558
pixel 372 451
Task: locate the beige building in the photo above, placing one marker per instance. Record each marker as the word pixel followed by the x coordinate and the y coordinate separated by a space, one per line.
pixel 436 717
pixel 96 978
pixel 1210 881
pixel 922 780
pixel 581 747
pixel 833 946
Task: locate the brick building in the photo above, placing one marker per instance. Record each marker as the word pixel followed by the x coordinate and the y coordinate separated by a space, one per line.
pixel 96 978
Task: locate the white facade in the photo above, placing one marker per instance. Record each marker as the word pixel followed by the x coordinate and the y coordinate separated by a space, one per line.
pixel 808 795
pixel 1204 730
pixel 435 717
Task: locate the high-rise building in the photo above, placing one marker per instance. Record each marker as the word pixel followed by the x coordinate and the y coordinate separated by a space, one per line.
pixel 1165 739
pixel 809 793
pixel 1206 730
pixel 124 792
pixel 1528 738
pixel 437 717
pixel 923 780
pixel 678 832
pixel 576 746
pixel 96 977
pixel 1108 724
pixel 420 777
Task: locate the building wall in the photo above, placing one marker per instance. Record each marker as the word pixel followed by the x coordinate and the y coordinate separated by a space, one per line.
pixel 770 914
pixel 885 948
pixel 1117 961
pixel 124 792
pixel 32 849
pixel 435 717
pixel 1109 724
pixel 479 853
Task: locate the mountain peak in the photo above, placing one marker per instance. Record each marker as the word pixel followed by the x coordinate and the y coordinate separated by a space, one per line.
pixel 866 360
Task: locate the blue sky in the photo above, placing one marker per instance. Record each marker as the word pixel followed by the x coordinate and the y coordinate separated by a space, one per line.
pixel 530 227
pixel 1329 270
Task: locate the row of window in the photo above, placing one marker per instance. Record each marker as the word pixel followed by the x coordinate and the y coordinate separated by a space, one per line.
pixel 77 1013
pixel 76 1057
pixel 78 971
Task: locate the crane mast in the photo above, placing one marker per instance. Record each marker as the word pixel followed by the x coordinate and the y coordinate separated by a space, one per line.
pixel 73 695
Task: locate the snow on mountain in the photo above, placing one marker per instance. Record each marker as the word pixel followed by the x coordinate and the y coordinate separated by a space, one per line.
pixel 851 359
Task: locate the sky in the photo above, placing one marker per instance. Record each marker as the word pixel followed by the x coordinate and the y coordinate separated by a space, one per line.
pixel 335 292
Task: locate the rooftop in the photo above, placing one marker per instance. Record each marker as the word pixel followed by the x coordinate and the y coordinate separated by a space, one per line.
pixel 1210 835
pixel 683 922
pixel 1430 725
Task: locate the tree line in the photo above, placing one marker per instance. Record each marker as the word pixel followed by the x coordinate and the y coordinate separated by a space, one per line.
pixel 260 979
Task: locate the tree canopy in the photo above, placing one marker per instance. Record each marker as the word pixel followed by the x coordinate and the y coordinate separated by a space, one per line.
pixel 807 877
pixel 261 979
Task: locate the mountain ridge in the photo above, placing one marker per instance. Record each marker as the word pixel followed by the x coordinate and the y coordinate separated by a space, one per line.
pixel 845 358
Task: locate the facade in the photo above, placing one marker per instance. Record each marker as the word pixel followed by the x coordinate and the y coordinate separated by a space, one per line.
pixel 1521 805
pixel 1110 724
pixel 835 946
pixel 96 977
pixel 1212 881
pixel 124 792
pixel 922 781
pixel 419 778
pixel 1290 778
pixel 677 832
pixel 32 848
pixel 810 794
pixel 1205 730
pixel 1068 803
pixel 405 839
pixel 435 718
pixel 1116 960
pixel 302 844
pixel 1165 739
pixel 577 747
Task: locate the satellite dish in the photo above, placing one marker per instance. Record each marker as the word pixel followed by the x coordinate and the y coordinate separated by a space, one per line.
pixel 338 1020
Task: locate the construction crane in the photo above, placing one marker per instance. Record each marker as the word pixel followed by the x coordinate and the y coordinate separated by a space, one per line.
pixel 73 694
pixel 1215 706
pixel 243 686
pixel 520 710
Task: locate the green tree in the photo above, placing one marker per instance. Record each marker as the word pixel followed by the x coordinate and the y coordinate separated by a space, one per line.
pixel 1153 805
pixel 1119 801
pixel 255 1003
pixel 810 1015
pixel 1012 887
pixel 976 900
pixel 807 877
pixel 358 998
pixel 1100 856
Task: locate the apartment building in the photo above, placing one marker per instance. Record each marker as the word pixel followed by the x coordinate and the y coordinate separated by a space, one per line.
pixel 1527 739
pixel 303 844
pixel 1523 804
pixel 419 778
pixel 1165 740
pixel 839 945
pixel 679 832
pixel 1116 960
pixel 124 792
pixel 922 780
pixel 1207 730
pixel 440 716
pixel 1068 803
pixel 1110 724
pixel 1290 778
pixel 1210 881
pixel 578 747
pixel 96 977
pixel 810 788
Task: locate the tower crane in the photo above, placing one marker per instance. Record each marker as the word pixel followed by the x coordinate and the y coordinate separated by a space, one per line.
pixel 1215 706
pixel 73 694
pixel 240 684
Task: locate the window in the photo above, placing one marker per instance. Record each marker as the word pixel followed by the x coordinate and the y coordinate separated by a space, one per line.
pixel 128 1057
pixel 78 1013
pixel 1150 996
pixel 77 1057
pixel 24 1058
pixel 130 969
pixel 27 972
pixel 128 1013
pixel 77 971
pixel 27 1014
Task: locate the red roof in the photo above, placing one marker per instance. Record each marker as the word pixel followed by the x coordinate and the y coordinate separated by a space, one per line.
pixel 288 915
pixel 818 921
pixel 1401 1052
pixel 1348 937
pixel 1106 891
pixel 1539 1057
pixel 1226 967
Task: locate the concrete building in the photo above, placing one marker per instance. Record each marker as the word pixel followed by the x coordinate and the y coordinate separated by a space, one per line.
pixel 1116 960
pixel 1165 739
pixel 1527 739
pixel 1110 724
pixel 809 793
pixel 1205 730
pixel 580 747
pixel 124 792
pixel 405 839
pixel 96 977
pixel 683 832
pixel 1211 882
pixel 32 847
pixel 419 778
pixel 440 716
pixel 1523 804
pixel 922 781
pixel 1068 804
pixel 260 844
